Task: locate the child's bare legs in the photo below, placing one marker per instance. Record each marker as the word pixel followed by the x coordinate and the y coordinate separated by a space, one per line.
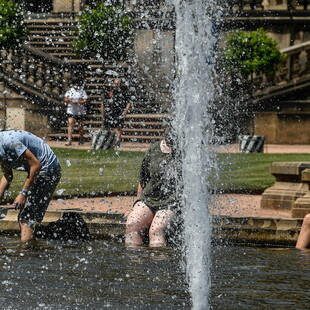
pixel 80 129
pixel 303 241
pixel 70 129
pixel 26 232
pixel 118 135
pixel 139 219
pixel 161 221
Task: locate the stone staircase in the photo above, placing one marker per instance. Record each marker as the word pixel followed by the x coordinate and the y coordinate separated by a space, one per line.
pixel 143 122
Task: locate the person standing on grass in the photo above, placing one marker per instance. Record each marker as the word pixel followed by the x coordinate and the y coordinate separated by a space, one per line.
pixel 303 241
pixel 21 150
pixel 76 99
pixel 117 105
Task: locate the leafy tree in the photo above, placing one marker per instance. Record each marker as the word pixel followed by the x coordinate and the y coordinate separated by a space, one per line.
pixel 12 30
pixel 246 54
pixel 104 31
pixel 251 52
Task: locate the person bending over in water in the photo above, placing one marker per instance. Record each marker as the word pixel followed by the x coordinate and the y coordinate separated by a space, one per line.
pixel 157 205
pixel 21 150
pixel 303 241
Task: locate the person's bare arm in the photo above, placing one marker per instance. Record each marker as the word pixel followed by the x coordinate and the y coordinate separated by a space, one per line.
pixel 139 191
pixel 34 169
pixel 67 100
pixel 128 106
pixel 6 179
pixel 83 101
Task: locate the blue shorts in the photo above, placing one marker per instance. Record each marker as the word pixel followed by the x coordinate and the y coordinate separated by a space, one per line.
pixel 39 197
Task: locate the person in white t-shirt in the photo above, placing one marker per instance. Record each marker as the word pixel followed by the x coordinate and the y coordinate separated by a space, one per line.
pixel 76 98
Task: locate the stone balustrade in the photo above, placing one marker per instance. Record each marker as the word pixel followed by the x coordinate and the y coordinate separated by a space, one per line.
pixel 294 68
pixel 242 5
pixel 291 191
pixel 38 72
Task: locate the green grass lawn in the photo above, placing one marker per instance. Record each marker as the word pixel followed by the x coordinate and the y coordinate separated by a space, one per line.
pixel 250 172
pixel 93 173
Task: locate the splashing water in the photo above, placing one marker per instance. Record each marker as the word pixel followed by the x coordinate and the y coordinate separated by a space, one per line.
pixel 194 97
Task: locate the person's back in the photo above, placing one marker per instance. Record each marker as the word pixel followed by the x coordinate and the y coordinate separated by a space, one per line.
pixel 14 142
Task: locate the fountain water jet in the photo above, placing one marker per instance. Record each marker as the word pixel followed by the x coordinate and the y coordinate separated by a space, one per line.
pixel 194 97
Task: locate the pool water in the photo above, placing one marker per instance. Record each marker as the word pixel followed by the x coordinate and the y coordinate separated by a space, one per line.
pixel 106 275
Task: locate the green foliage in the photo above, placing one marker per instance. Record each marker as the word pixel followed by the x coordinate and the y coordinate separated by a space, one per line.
pixel 104 31
pixel 12 30
pixel 251 52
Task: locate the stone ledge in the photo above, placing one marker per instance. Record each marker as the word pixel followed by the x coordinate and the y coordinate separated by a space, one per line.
pixel 288 168
pixel 226 230
pixel 290 186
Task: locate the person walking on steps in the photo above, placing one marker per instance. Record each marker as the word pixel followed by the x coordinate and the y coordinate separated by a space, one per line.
pixel 117 105
pixel 76 99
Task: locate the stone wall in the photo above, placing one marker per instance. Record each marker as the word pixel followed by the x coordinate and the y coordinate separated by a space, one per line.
pixel 282 128
pixel 21 114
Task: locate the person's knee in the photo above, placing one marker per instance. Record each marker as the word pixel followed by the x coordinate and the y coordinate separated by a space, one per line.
pixel 71 122
pixel 306 220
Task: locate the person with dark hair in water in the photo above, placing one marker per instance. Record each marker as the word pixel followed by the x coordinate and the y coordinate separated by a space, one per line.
pixel 76 99
pixel 21 150
pixel 158 202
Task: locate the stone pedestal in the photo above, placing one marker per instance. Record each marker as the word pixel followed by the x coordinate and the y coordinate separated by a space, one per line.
pixel 288 187
pixel 301 206
pixel 18 113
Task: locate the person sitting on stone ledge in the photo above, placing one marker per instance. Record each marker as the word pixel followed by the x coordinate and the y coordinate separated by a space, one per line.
pixel 21 150
pixel 158 203
pixel 303 241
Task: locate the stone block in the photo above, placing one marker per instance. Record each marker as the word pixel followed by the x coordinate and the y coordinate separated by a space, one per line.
pixel 288 170
pixel 301 206
pixel 288 187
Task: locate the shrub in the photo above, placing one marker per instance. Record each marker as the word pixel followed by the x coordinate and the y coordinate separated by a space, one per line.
pixel 12 30
pixel 103 32
pixel 251 52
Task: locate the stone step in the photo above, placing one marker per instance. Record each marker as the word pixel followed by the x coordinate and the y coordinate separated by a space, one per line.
pixel 65 55
pixel 55 32
pixel 56 39
pixel 52 46
pixel 62 136
pixel 151 131
pixel 144 124
pixel 57 49
pixel 148 116
pixel 50 39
